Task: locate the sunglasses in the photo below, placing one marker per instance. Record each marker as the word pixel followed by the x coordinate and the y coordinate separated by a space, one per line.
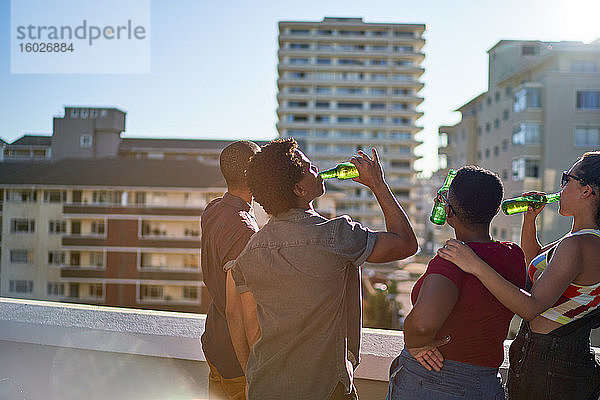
pixel 566 177
pixel 443 197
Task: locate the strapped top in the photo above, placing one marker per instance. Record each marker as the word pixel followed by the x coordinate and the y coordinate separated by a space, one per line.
pixel 577 300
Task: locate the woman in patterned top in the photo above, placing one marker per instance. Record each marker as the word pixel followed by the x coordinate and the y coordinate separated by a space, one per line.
pixel 550 358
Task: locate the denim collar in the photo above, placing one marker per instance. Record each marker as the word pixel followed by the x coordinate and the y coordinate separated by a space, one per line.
pixel 296 214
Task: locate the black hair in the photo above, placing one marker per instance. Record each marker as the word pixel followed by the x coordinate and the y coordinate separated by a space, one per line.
pixel 475 194
pixel 273 173
pixel 589 171
pixel 234 161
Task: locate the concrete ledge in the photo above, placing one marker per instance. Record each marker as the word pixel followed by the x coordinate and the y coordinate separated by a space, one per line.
pixel 161 334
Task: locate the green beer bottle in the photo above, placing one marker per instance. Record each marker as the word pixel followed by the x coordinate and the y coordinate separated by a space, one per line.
pixel 438 214
pixel 522 203
pixel 345 170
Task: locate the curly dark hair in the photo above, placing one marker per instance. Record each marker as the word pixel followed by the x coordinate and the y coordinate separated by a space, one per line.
pixel 272 174
pixel 476 194
pixel 589 171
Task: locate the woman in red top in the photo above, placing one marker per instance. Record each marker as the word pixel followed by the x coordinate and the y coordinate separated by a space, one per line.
pixel 449 303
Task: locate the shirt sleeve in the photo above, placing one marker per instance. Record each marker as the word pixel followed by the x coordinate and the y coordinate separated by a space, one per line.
pixel 238 277
pixel 353 241
pixel 237 245
pixel 438 265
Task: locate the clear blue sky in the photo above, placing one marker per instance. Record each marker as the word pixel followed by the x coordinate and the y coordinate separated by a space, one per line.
pixel 214 63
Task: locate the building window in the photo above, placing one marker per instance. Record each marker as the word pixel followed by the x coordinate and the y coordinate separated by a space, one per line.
pixel 299 46
pixel 401 121
pixel 377 120
pixel 56 258
pixel 22 225
pixel 321 133
pixel 525 168
pixel 378 62
pixel 151 292
pixel 526 133
pixel 588 100
pixel 587 136
pixel 350 61
pixel 106 197
pixel 497 96
pixel 297 118
pixel 20 286
pixel 505 115
pixel 97 227
pixel 349 120
pixel 21 196
pixel 299 31
pixel 95 290
pixel 55 196
pixel 97 260
pixel 377 91
pixel 527 98
pixel 349 90
pixel 55 289
pixel 297 75
pixel 528 50
pixel 322 119
pixel 487 153
pixel 404 49
pixel 190 292
pixel 496 123
pixel 400 164
pixel 377 106
pixel 297 89
pixel 85 141
pixel 296 60
pixel 324 61
pixel 496 151
pixel 505 145
pixel 20 256
pixel 57 226
pixel 299 104
pixel 350 106
pixel 322 90
pixel 401 135
pixel 488 126
pixel 583 66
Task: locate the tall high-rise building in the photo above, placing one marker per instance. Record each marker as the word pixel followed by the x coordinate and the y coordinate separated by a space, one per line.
pixel 346 85
pixel 540 113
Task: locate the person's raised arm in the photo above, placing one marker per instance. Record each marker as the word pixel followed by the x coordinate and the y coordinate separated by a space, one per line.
pixel 399 240
pixel 560 272
pixel 437 297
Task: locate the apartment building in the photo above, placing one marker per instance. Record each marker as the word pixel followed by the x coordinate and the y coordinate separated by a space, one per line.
pixel 346 85
pixel 118 232
pixel 540 113
pixel 88 216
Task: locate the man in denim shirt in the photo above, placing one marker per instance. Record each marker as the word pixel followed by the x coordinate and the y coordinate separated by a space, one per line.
pixel 303 270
